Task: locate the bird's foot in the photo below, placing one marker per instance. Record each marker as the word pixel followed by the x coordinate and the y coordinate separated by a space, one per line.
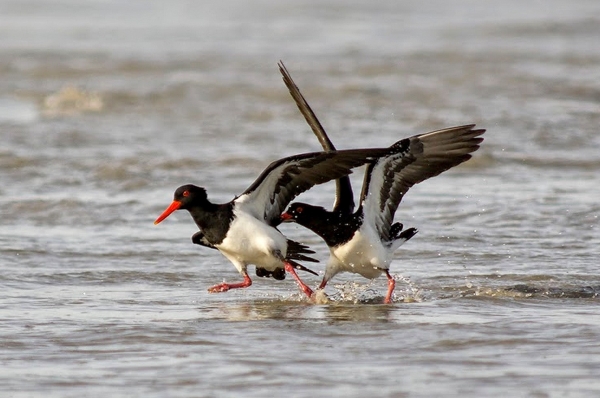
pixel 220 288
pixel 223 287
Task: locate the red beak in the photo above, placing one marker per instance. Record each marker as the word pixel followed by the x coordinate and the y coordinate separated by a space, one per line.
pixel 174 206
pixel 286 217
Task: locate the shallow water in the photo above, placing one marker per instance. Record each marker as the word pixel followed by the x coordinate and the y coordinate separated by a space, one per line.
pixel 107 107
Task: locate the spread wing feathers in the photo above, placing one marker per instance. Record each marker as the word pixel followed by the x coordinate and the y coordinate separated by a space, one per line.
pixel 299 251
pixel 305 109
pixel 287 178
pixel 301 267
pixel 425 156
pixel 344 197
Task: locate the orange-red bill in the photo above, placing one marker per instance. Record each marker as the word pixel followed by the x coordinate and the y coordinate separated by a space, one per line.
pixel 172 207
pixel 286 217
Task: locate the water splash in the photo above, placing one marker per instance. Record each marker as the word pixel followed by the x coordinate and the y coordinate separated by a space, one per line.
pixel 368 293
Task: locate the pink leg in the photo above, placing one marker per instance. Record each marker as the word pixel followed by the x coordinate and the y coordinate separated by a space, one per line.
pixel 323 284
pixel 223 287
pixel 290 269
pixel 391 286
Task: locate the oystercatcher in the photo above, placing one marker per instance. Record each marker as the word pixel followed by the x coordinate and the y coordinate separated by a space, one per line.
pixel 363 241
pixel 243 230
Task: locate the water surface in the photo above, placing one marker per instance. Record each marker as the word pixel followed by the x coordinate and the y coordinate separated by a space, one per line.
pixel 107 107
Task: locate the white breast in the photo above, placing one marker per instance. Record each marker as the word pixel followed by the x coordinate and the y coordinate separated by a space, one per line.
pixel 363 254
pixel 251 241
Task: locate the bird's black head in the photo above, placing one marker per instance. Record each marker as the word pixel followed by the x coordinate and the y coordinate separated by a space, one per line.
pixel 301 213
pixel 188 195
pixel 185 197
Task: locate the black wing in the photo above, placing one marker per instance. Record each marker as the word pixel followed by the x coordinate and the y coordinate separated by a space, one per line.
pixel 286 178
pixel 344 197
pixel 299 251
pixel 199 239
pixel 421 157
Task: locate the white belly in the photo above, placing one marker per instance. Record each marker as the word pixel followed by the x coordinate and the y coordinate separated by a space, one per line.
pixel 363 254
pixel 250 241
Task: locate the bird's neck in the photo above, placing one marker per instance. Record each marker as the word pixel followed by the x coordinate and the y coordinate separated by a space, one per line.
pixel 334 227
pixel 206 213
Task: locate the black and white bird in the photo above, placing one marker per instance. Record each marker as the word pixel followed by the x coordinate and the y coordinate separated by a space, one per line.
pixel 244 229
pixel 364 241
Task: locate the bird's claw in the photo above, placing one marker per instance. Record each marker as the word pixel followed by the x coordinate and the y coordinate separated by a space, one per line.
pixel 220 288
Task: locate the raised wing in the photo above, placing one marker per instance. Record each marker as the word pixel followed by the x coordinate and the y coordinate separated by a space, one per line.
pixel 287 178
pixel 344 197
pixel 422 157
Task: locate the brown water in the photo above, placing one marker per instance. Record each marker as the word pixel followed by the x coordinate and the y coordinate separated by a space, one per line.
pixel 107 107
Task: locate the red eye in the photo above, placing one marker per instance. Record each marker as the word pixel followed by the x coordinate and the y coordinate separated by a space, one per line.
pixel 299 209
pixel 186 194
